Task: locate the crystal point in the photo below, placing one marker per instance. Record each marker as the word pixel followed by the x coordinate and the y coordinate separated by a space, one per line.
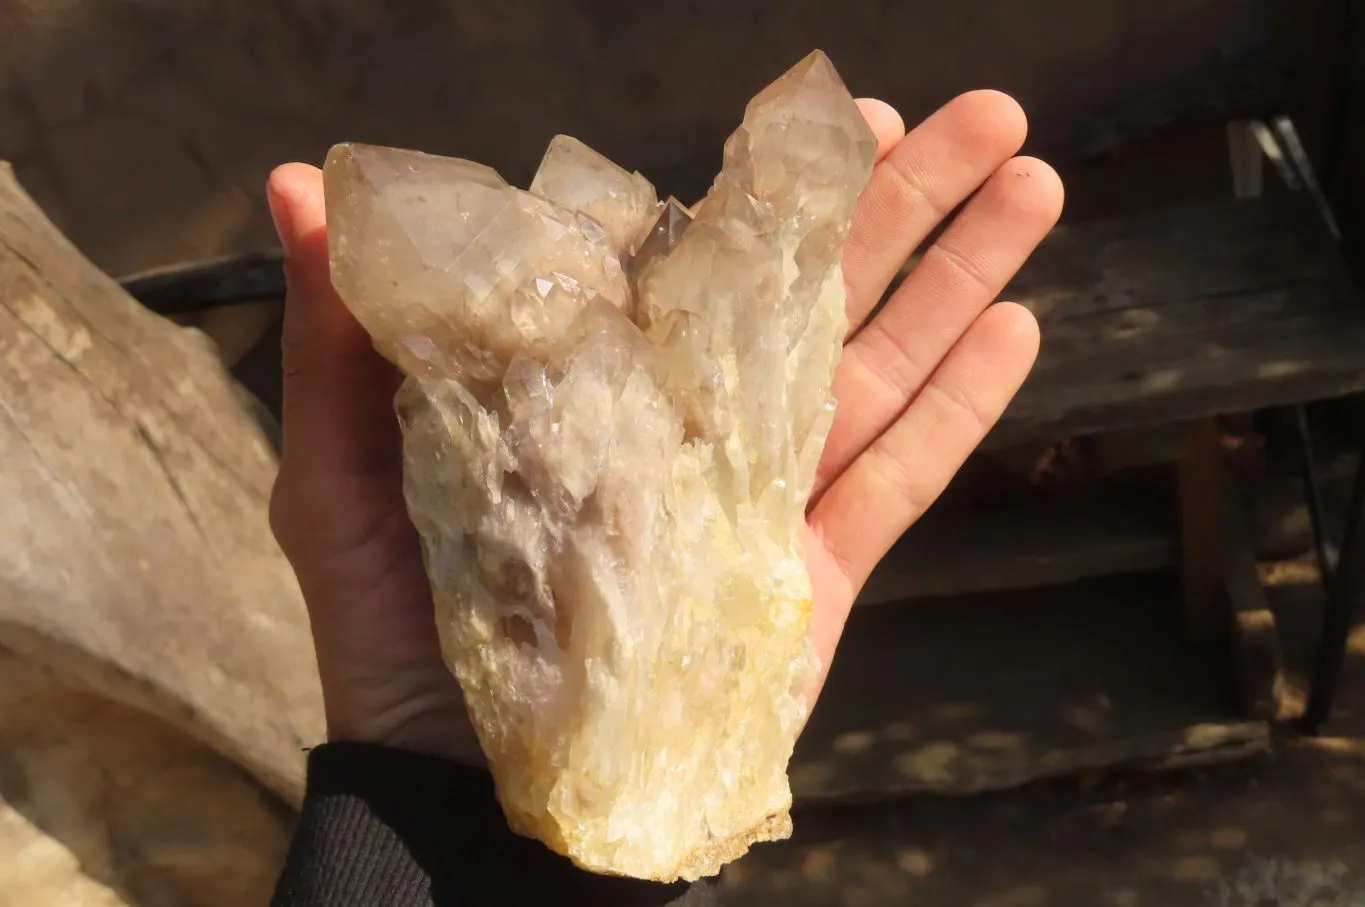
pixel 661 238
pixel 576 177
pixel 611 419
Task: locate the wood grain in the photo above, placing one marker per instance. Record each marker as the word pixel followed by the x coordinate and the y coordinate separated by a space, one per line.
pixel 135 554
pixel 1180 314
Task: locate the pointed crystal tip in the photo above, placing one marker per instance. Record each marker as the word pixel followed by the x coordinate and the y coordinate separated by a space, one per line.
pixel 661 239
pixel 576 177
pixel 805 116
pixel 815 73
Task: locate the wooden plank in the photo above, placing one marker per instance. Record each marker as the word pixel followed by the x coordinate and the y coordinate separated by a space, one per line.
pixel 1183 314
pixel 1017 548
pixel 992 691
pixel 1205 251
pixel 1043 540
pixel 1121 524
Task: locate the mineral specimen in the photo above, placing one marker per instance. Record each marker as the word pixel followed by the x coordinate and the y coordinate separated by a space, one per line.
pixel 612 416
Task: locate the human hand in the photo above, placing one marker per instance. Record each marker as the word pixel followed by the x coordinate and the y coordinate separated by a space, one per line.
pixel 922 382
pixel 918 388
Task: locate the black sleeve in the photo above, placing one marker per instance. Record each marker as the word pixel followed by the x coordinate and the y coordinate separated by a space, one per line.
pixel 386 828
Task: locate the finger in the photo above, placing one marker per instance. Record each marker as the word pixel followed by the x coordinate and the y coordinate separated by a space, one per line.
pixel 906 468
pixel 924 177
pixel 886 124
pixel 338 415
pixel 963 272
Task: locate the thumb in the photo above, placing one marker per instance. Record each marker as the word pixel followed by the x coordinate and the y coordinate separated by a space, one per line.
pixel 338 413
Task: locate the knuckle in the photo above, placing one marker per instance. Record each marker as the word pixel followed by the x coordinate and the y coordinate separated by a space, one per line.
pixel 958 408
pixel 897 476
pixel 887 358
pixel 965 271
pixel 907 194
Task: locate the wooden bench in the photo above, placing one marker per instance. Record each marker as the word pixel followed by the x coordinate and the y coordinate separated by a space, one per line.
pixel 1164 318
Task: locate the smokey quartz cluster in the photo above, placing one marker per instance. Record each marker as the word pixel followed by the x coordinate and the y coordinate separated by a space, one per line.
pixel 612 415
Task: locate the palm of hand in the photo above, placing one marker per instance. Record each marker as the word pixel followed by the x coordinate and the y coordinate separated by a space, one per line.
pixel 919 386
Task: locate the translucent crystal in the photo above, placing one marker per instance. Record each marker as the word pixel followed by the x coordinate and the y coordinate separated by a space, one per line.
pixel 575 177
pixel 611 421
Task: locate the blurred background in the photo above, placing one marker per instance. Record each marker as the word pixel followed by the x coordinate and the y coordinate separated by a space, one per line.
pixel 1101 671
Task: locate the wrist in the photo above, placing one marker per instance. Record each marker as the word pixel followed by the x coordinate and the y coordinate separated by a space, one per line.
pixel 441 729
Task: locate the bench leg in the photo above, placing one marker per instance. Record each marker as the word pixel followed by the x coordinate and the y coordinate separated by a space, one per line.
pixel 1201 527
pixel 1345 604
pixel 1312 495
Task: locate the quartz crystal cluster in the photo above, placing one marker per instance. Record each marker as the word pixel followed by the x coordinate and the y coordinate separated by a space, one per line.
pixel 612 414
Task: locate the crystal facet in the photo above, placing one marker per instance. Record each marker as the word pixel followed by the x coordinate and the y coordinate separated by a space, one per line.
pixel 612 416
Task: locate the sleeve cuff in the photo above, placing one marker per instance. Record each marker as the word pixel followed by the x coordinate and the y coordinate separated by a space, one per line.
pixel 391 828
pixel 380 826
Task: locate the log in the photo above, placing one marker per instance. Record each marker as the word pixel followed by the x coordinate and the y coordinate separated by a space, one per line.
pixel 135 552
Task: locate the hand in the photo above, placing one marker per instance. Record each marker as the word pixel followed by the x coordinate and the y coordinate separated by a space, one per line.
pixel 918 388
pixel 921 383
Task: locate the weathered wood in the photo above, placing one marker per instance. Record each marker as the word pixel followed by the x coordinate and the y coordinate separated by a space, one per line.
pixel 1017 548
pixel 135 554
pixel 1186 313
pixel 1116 525
pixel 1042 539
pixel 1201 526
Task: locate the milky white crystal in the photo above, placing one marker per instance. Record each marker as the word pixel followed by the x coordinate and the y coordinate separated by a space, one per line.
pixel 612 417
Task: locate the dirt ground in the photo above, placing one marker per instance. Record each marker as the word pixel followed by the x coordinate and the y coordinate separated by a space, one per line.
pixel 1287 830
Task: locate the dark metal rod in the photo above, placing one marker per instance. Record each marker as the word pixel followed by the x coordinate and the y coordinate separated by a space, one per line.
pixel 1312 493
pixel 1343 608
pixel 205 285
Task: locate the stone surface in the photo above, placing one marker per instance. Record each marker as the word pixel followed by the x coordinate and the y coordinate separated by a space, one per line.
pixel 612 418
